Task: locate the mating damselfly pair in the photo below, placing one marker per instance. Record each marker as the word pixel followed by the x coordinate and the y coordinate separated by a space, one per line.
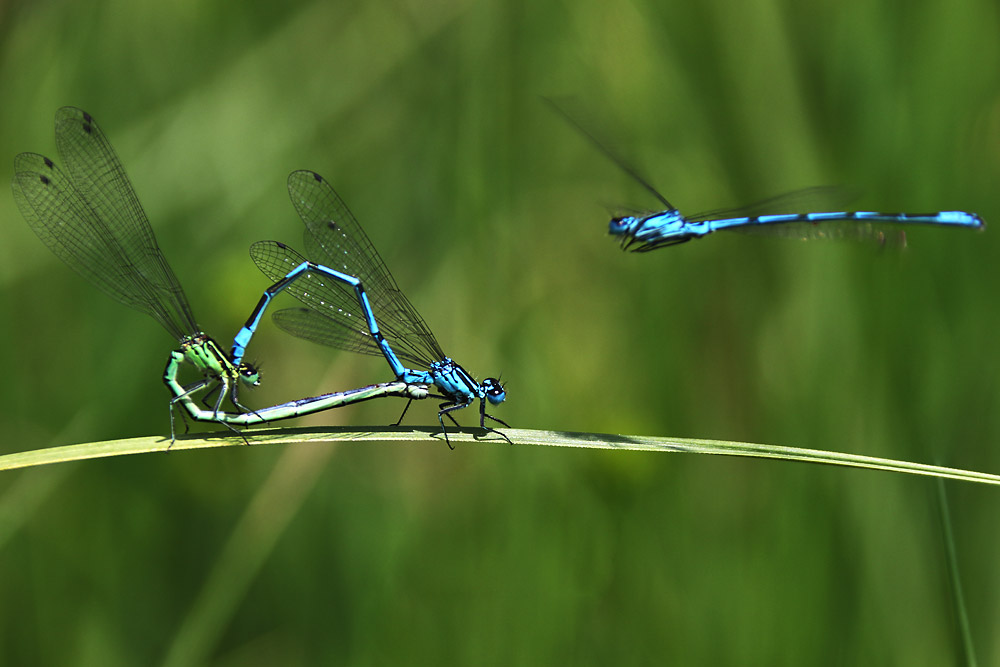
pixel 90 217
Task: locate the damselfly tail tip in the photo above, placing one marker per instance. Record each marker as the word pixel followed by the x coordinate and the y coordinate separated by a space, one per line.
pixel 960 218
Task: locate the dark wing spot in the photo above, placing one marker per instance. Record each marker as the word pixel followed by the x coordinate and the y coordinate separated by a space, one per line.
pixel 281 245
pixel 44 179
pixel 317 177
pixel 48 162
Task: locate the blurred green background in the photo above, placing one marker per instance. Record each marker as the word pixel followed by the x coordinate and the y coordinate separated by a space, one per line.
pixel 492 214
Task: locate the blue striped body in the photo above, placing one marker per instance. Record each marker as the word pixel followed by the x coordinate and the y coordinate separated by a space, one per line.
pixel 670 227
pixel 453 381
pixel 244 335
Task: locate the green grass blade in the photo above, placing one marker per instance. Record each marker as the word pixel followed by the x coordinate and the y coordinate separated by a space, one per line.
pixel 968 655
pixel 287 436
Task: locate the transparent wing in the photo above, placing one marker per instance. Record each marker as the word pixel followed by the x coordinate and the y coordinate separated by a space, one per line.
pixel 335 319
pixel 824 198
pixel 335 239
pixel 90 218
pixel 316 327
pixel 100 178
pixel 885 234
pixel 830 197
pixel 604 147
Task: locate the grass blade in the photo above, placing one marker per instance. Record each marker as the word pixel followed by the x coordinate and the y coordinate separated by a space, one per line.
pixel 288 436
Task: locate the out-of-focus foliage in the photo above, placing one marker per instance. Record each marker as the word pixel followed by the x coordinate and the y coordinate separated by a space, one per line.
pixel 492 214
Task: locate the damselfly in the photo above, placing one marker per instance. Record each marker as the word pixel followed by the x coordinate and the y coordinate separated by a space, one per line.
pixel 642 233
pixel 354 303
pixel 649 231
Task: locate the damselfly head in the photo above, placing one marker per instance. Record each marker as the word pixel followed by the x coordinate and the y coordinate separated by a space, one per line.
pixel 494 391
pixel 249 374
pixel 622 225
